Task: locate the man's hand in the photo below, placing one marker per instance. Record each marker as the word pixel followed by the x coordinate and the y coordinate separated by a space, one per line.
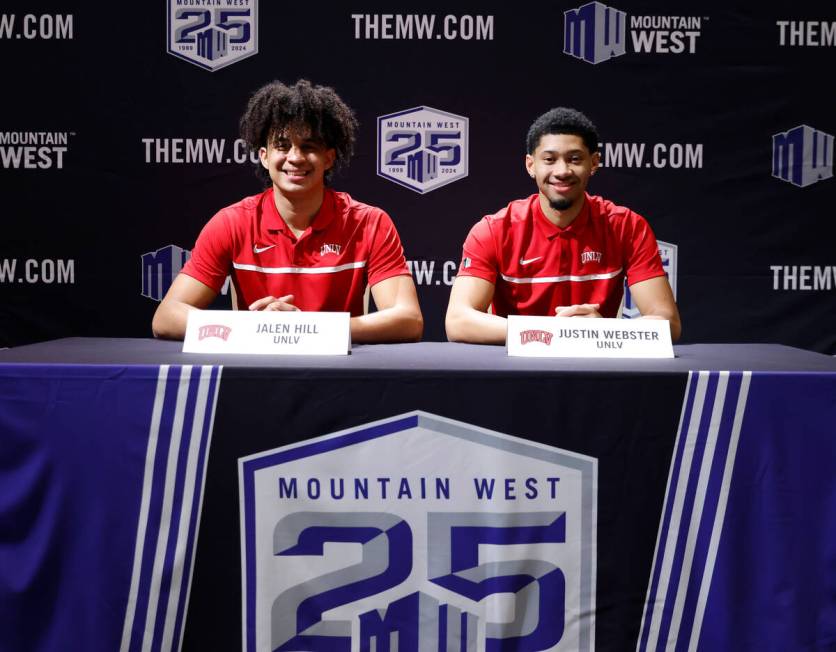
pixel 578 310
pixel 274 303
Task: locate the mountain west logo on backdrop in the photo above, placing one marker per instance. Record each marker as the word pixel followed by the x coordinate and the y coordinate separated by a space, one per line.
pixel 802 156
pixel 430 551
pixel 212 38
pixel 668 253
pixel 422 148
pixel 596 33
pixel 34 150
pixel 161 267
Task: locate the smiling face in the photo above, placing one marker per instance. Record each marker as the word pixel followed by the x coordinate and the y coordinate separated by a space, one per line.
pixel 561 166
pixel 297 163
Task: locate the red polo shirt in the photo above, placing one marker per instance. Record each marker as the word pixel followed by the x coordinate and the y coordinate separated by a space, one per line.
pixel 349 245
pixel 537 266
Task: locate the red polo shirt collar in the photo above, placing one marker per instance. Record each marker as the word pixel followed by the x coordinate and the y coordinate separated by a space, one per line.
pixel 549 230
pixel 272 219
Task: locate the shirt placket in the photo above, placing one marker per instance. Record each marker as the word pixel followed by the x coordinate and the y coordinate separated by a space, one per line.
pixel 301 246
pixel 564 241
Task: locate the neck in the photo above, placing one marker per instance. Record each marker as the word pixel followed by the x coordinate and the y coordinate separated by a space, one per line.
pixel 561 218
pixel 298 212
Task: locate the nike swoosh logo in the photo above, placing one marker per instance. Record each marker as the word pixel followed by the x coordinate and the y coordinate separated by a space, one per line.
pixel 523 261
pixel 258 250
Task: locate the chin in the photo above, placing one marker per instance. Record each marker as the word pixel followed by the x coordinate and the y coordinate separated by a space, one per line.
pixel 561 203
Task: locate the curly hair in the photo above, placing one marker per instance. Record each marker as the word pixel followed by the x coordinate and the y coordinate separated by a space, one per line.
pixel 275 108
pixel 562 121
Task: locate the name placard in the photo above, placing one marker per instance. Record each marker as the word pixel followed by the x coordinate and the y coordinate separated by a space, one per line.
pixel 576 337
pixel 269 333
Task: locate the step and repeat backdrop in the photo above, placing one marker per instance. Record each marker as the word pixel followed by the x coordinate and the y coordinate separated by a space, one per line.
pixel 118 141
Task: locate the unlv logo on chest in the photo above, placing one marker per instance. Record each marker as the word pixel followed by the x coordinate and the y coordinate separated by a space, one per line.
pixel 330 249
pixel 591 256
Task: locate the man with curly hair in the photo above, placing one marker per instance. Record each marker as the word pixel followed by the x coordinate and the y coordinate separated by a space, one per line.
pixel 299 245
pixel 561 251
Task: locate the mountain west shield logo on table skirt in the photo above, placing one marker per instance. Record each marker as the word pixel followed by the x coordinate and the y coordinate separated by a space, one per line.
pixel 418 533
pixel 214 37
pixel 422 148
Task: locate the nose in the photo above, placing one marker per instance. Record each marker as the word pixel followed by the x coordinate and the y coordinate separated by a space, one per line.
pixel 295 153
pixel 562 169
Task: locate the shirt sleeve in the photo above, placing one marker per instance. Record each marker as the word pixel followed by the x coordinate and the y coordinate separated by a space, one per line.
pixel 211 258
pixel 386 257
pixel 479 254
pixel 642 253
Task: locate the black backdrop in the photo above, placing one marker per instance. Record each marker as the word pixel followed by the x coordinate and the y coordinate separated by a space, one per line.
pixel 95 86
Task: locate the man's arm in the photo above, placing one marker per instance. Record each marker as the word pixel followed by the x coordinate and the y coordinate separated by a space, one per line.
pixel 654 299
pixel 467 319
pixel 398 317
pixel 186 293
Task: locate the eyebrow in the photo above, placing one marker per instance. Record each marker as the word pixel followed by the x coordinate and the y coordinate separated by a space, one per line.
pixel 305 141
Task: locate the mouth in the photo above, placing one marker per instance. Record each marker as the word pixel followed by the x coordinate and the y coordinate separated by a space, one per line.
pixel 562 186
pixel 296 175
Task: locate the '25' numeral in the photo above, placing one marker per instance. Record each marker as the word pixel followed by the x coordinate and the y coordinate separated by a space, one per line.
pixel 452 150
pixel 453 562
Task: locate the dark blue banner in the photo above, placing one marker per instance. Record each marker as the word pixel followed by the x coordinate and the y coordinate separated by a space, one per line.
pixel 150 507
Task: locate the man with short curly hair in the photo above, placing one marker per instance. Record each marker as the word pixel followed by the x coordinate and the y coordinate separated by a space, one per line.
pixel 561 251
pixel 299 245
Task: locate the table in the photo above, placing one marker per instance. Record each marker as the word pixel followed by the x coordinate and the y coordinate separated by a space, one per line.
pixel 151 499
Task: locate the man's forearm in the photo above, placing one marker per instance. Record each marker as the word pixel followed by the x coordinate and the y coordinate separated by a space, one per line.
pixel 676 326
pixel 395 324
pixel 170 320
pixel 673 321
pixel 476 327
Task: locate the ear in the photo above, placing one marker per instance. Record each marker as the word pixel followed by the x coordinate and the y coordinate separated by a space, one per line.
pixel 330 157
pixel 529 165
pixel 262 155
pixel 596 161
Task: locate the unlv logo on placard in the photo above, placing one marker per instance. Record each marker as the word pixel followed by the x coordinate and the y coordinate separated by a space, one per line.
pixel 213 38
pixel 418 533
pixel 668 253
